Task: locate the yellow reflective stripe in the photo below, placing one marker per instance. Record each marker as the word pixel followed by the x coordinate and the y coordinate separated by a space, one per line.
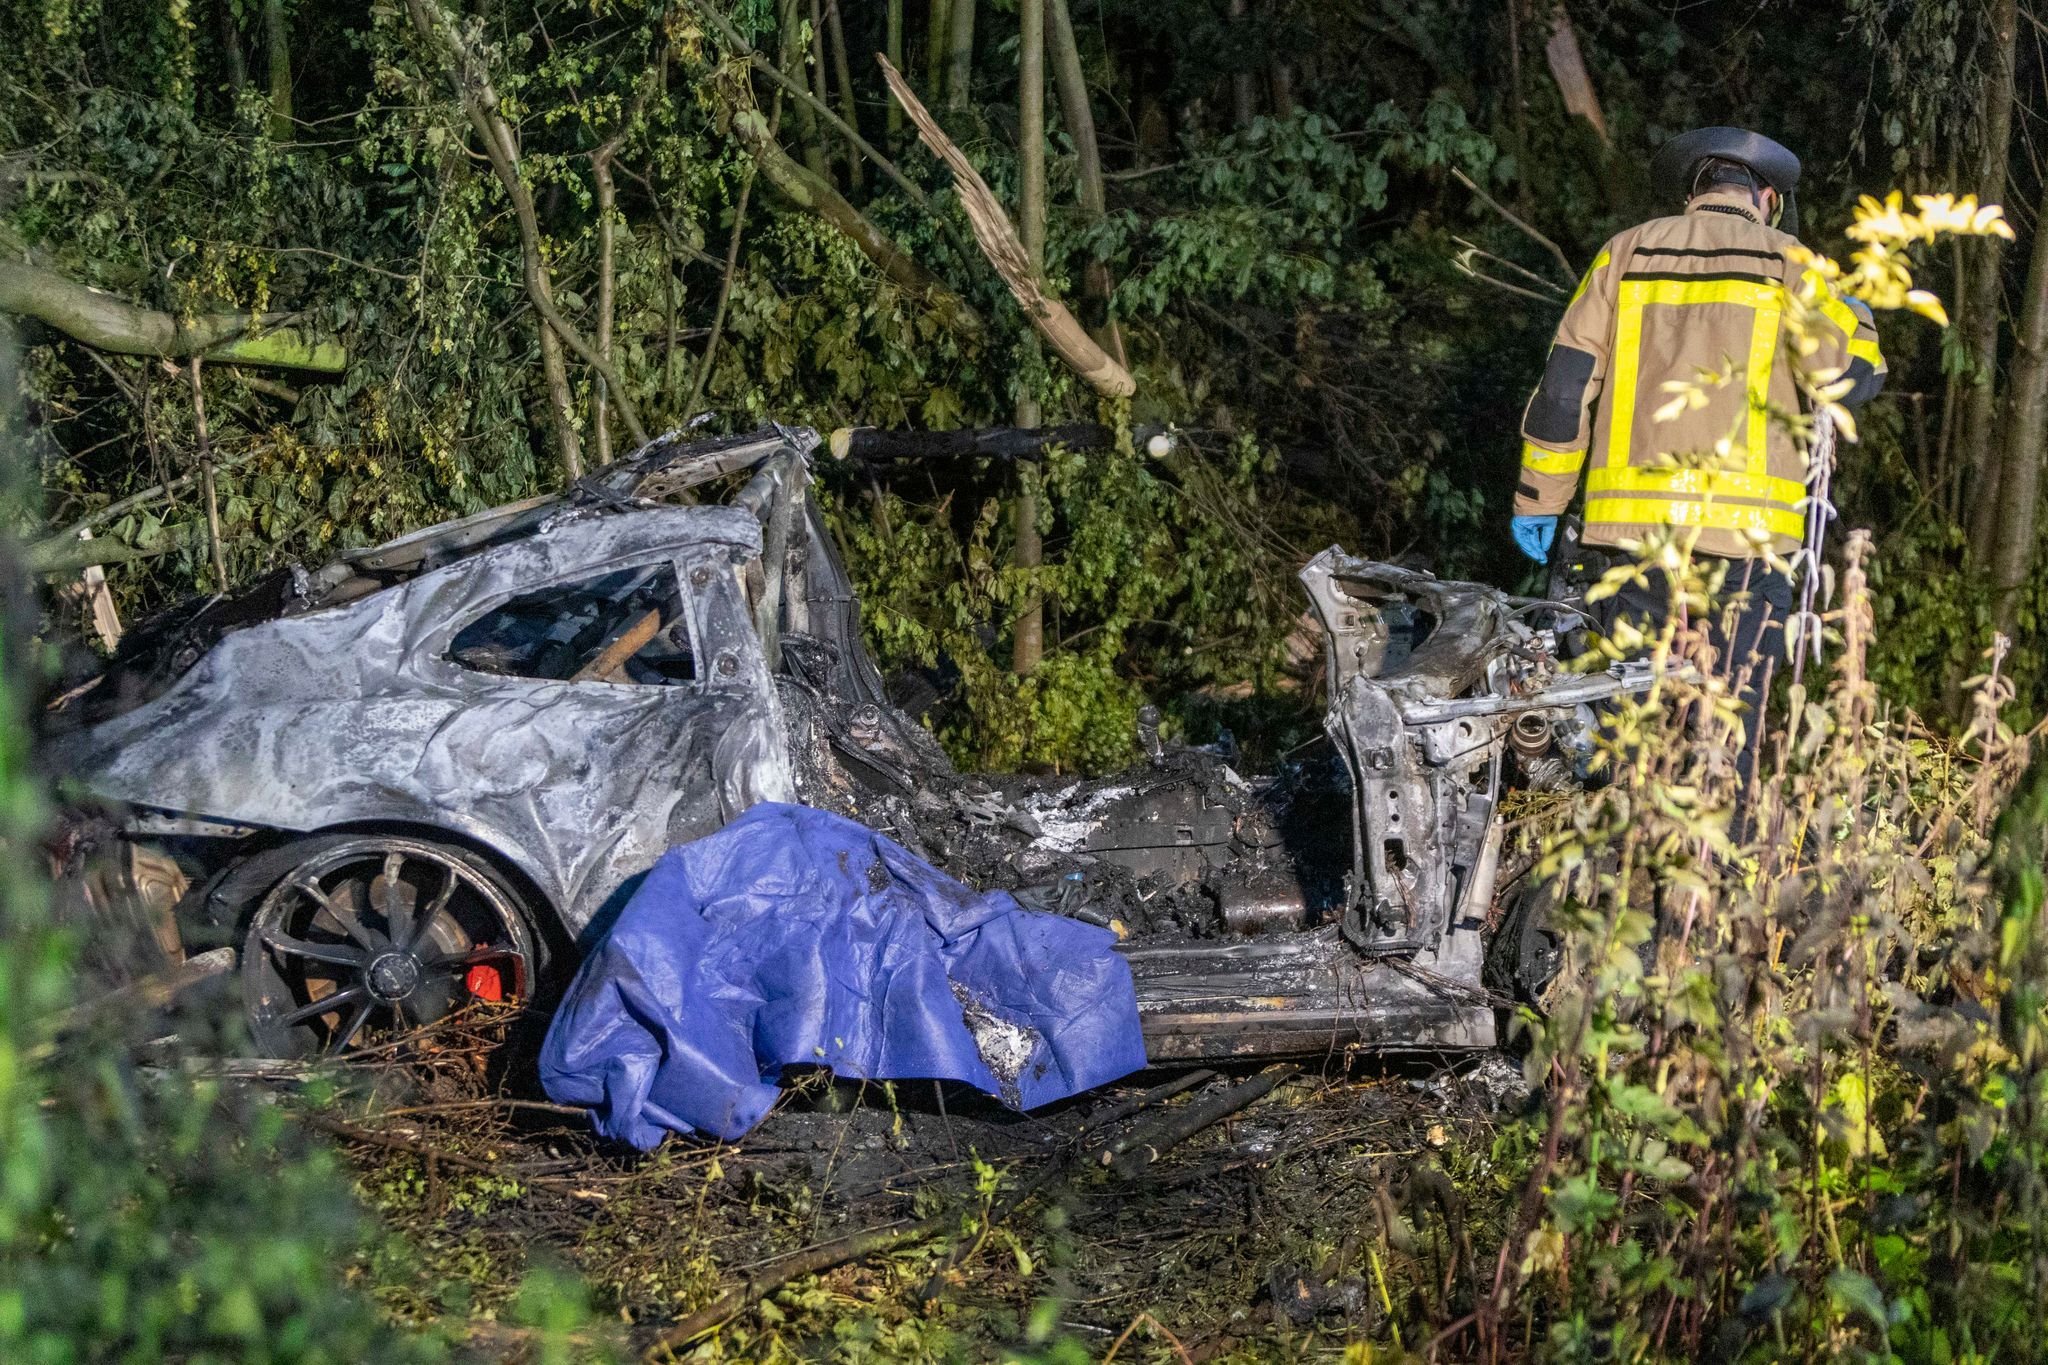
pixel 1841 314
pixel 1697 484
pixel 1862 348
pixel 1763 353
pixel 1627 360
pixel 1712 516
pixel 1538 460
pixel 1586 279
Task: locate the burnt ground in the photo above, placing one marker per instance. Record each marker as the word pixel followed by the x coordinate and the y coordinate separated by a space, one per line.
pixel 1284 1231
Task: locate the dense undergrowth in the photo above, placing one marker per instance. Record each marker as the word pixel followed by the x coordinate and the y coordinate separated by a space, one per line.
pixel 1791 1096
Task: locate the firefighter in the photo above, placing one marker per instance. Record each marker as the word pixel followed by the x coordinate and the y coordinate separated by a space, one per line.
pixel 1703 292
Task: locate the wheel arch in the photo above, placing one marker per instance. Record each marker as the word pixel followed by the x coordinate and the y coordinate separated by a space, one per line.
pixel 545 913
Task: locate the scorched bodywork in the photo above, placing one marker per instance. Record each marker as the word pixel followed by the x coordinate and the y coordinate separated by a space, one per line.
pixel 428 770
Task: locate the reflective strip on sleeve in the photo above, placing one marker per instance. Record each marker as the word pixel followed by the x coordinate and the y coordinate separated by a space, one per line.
pixel 1542 461
pixel 1865 349
pixel 1587 279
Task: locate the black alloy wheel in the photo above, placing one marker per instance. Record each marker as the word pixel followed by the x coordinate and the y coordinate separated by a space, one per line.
pixel 370 935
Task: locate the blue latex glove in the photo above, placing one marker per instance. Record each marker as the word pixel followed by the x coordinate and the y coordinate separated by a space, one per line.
pixel 1534 535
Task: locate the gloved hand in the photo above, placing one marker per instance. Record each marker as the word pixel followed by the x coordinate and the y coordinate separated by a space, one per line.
pixel 1534 535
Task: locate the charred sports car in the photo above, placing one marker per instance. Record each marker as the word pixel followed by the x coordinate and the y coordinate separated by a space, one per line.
pixel 425 773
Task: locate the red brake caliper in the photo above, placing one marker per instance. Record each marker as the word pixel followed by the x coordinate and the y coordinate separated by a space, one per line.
pixel 485 982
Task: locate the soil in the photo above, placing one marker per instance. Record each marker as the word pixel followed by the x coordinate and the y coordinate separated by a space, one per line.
pixel 1358 1184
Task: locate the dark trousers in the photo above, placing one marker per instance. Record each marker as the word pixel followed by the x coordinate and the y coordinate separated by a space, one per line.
pixel 1747 631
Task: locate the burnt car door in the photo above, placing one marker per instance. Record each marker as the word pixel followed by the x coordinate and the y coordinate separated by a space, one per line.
pixel 615 710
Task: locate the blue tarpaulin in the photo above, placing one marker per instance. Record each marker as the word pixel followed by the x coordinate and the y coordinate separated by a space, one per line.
pixel 794 936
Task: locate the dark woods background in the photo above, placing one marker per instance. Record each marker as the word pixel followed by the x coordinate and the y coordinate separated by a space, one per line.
pixel 1268 218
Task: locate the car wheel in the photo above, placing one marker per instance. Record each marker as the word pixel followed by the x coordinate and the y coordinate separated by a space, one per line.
pixel 360 937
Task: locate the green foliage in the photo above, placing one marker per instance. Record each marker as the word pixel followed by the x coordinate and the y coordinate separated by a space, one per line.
pixel 1159 568
pixel 145 1213
pixel 1793 1056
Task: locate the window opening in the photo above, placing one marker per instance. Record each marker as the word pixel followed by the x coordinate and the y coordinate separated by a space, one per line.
pixel 626 626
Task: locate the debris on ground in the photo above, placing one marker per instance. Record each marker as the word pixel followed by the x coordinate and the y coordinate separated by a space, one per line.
pixel 948 1218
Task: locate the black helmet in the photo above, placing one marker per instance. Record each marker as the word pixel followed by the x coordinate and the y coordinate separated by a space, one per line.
pixel 1673 171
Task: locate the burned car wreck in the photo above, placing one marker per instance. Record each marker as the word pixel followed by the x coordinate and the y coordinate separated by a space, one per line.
pixel 427 772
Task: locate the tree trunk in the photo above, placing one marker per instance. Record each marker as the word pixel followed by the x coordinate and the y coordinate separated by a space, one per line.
pixel 107 323
pixel 960 57
pixel 277 42
pixel 938 47
pixel 2026 435
pixel 842 70
pixel 231 49
pixel 1079 117
pixel 1280 78
pixel 1518 104
pixel 892 48
pixel 790 57
pixel 1982 290
pixel 1242 99
pixel 821 84
pixel 607 281
pixel 1028 643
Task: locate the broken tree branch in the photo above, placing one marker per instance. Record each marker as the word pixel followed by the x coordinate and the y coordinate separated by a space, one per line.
pixel 1137 1104
pixel 1556 251
pixel 1006 252
pixel 59 541
pixel 1568 69
pixel 1472 251
pixel 108 323
pixel 1179 1127
pixel 58 556
pixel 778 1273
pixel 815 193
pixel 1462 263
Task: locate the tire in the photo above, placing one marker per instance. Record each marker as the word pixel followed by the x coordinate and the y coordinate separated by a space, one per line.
pixel 1526 952
pixel 388 931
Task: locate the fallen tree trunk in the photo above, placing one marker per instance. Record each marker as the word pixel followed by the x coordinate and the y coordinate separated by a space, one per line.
pixel 1007 253
pixel 68 556
pixel 107 322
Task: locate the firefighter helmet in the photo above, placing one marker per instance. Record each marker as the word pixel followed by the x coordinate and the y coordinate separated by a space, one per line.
pixel 1673 172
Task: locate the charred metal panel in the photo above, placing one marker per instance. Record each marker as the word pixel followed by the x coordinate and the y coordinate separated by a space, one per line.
pixel 1297 994
pixel 355 714
pixel 1426 680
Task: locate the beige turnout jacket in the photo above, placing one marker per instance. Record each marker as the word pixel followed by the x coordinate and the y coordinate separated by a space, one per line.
pixel 1702 295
